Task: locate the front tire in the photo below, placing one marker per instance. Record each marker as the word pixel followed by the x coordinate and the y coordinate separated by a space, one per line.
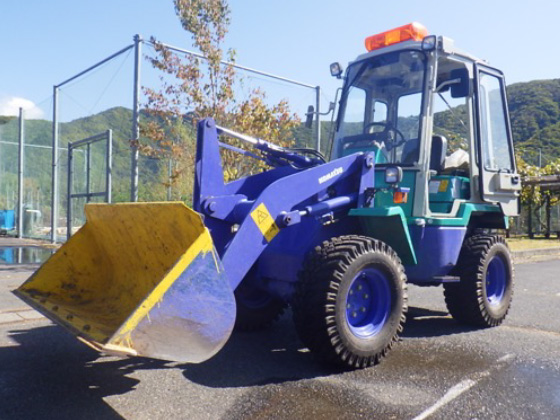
pixel 351 301
pixel 483 296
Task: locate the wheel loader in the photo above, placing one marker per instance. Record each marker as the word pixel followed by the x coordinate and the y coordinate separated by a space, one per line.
pixel 418 187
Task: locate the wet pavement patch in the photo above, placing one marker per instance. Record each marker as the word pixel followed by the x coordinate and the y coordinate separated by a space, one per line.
pixel 312 399
pixel 13 255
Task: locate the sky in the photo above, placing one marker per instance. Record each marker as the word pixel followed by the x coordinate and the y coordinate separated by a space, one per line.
pixel 47 42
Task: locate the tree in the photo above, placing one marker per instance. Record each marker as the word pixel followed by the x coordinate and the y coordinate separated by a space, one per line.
pixel 193 88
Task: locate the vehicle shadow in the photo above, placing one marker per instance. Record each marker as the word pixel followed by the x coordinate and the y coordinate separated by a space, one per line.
pixel 423 323
pixel 277 355
pixel 49 374
pixel 271 356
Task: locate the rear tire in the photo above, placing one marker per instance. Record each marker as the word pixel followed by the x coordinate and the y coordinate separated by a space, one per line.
pixel 351 301
pixel 483 296
pixel 256 309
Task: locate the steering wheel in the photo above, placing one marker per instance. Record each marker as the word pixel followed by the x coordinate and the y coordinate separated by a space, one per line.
pixel 387 127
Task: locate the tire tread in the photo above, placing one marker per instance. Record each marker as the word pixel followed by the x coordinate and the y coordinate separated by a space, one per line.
pixel 318 287
pixel 465 300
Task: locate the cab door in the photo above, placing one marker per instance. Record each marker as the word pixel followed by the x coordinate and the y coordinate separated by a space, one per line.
pixel 499 181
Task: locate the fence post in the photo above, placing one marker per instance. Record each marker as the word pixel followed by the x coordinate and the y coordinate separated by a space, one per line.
pixel 135 120
pixel 88 170
pixel 20 175
pixel 530 216
pixel 109 166
pixel 70 185
pixel 548 210
pixel 54 192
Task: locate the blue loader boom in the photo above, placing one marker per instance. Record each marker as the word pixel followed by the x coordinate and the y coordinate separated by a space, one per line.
pixel 244 216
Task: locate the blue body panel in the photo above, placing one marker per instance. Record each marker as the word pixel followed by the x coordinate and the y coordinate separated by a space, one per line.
pixel 437 251
pixel 283 259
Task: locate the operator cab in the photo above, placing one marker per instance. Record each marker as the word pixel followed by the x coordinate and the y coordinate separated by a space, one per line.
pixel 382 104
pixel 437 113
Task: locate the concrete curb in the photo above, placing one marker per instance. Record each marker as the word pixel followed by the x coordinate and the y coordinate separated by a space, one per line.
pixel 533 255
pixel 15 316
pixel 10 241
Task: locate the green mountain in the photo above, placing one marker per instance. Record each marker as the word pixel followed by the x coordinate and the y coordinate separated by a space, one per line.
pixel 533 106
pixel 535 117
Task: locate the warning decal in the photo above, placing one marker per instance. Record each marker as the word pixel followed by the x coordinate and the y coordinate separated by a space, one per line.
pixel 265 222
pixel 443 185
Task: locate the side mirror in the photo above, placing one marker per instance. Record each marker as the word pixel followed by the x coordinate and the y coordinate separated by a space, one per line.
pixel 309 116
pixel 336 70
pixel 462 88
pixel 429 43
pixel 311 112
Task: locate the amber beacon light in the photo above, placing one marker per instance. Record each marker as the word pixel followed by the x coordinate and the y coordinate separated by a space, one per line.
pixel 413 31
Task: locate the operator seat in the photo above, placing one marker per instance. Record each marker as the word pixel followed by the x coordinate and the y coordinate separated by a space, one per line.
pixel 410 151
pixel 437 154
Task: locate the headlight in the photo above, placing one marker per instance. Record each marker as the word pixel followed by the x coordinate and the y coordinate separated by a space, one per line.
pixel 393 174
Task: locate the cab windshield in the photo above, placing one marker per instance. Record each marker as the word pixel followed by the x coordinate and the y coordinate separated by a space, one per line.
pixel 380 108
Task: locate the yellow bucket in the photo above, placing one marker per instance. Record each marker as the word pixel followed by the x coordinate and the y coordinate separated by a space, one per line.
pixel 139 279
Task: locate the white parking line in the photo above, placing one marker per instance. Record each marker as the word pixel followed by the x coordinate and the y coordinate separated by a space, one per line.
pixel 462 387
pixel 505 358
pixel 449 396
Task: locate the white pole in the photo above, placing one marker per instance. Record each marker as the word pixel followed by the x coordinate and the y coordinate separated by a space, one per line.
pixel 20 175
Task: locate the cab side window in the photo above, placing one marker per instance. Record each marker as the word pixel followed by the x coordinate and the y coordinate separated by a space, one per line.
pixel 494 136
pixel 354 120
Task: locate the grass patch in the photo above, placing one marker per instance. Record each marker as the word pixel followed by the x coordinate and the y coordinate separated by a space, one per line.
pixel 522 244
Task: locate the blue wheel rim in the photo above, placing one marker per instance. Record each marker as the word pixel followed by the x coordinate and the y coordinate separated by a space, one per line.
pixel 368 303
pixel 496 281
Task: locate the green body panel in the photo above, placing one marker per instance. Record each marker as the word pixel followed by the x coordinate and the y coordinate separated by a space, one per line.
pixel 441 207
pixel 444 189
pixel 390 222
pixel 463 215
pixel 384 199
pixel 389 225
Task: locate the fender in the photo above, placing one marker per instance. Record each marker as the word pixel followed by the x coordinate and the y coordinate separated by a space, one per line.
pixel 389 225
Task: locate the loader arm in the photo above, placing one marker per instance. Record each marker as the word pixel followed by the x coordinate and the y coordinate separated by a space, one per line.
pixel 250 216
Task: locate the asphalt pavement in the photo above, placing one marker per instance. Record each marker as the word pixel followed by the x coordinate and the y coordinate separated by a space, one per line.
pixel 439 370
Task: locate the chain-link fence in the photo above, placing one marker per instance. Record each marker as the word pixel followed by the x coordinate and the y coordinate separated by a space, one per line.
pixel 107 96
pixel 25 170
